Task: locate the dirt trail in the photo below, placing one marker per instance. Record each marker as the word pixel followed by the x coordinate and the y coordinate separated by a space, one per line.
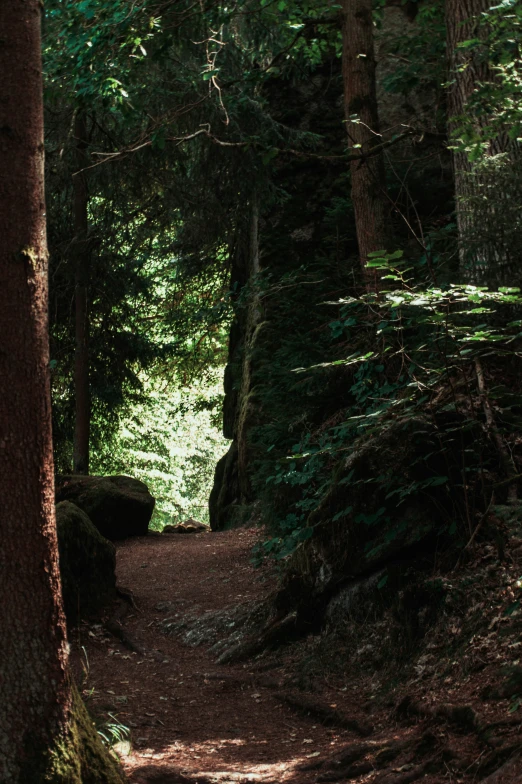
pixel 193 720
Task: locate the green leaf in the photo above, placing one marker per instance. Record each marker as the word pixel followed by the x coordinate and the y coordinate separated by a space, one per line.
pixel 438 480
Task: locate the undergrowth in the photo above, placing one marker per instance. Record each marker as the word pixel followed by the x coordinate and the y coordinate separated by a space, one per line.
pixel 447 354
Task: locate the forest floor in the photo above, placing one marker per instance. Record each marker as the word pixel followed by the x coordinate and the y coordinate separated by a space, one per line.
pixel 271 719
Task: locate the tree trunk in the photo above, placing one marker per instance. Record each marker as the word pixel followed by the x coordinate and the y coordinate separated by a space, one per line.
pixel 44 732
pixel 482 192
pixel 82 420
pixel 362 124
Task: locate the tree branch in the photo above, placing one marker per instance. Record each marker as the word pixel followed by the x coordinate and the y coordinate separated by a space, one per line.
pixel 177 140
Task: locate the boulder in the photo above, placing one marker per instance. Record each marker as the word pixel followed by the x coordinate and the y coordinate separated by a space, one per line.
pixel 87 563
pixel 188 527
pixel 119 506
pixel 391 505
pixel 364 522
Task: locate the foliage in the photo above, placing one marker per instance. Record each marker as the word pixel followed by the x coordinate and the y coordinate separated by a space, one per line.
pixel 171 442
pixel 418 54
pixel 426 343
pixel 165 197
pixel 195 113
pixel 416 350
pixel 112 731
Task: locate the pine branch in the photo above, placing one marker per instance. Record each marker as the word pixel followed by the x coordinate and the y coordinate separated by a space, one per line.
pixel 177 140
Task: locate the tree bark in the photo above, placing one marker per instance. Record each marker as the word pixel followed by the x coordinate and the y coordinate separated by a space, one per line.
pixel 362 124
pixel 44 733
pixel 82 420
pixel 484 255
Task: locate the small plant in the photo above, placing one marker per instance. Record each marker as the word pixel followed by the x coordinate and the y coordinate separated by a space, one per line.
pixel 112 731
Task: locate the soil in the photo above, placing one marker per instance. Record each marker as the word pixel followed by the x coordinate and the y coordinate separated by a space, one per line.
pixel 151 666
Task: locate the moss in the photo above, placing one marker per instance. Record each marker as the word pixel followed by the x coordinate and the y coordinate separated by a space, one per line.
pixel 238 516
pixel 87 563
pixel 77 757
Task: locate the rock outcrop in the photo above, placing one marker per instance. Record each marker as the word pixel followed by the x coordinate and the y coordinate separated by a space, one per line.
pixel 87 563
pixel 384 518
pixel 119 506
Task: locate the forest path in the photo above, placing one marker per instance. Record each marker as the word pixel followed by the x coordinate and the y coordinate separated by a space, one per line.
pixel 191 719
pixel 195 721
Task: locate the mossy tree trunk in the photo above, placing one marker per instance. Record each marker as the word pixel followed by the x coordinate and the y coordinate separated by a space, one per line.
pixel 369 197
pixel 44 731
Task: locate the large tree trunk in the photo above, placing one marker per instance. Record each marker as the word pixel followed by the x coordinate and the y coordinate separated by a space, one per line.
pixel 44 733
pixel 483 197
pixel 362 124
pixel 82 420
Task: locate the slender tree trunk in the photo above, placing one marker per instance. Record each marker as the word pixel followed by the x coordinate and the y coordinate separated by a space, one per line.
pixel 42 724
pixel 479 190
pixel 362 125
pixel 81 354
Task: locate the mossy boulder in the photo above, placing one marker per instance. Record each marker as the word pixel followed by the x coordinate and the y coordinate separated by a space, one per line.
pixel 385 499
pixel 119 506
pixel 87 563
pixel 393 501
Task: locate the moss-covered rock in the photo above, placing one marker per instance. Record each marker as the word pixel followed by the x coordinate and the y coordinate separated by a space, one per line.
pixel 87 563
pixel 119 506
pixel 225 491
pixel 391 502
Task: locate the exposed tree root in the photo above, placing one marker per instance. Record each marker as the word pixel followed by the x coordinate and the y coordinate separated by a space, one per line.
pixel 150 775
pixel 505 769
pixel 116 629
pixel 424 755
pixel 127 595
pixel 495 764
pixel 461 717
pixel 273 634
pixel 346 774
pixel 413 774
pixel 329 717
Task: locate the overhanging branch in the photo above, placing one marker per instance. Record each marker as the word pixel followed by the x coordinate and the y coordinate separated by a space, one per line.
pixel 106 157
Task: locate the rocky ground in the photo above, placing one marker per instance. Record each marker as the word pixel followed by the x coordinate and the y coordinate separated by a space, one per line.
pixel 359 704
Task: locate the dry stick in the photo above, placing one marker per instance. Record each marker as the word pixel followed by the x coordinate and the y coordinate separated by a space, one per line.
pixel 505 457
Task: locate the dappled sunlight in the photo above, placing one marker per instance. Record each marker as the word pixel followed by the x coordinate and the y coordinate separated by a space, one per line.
pixel 207 759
